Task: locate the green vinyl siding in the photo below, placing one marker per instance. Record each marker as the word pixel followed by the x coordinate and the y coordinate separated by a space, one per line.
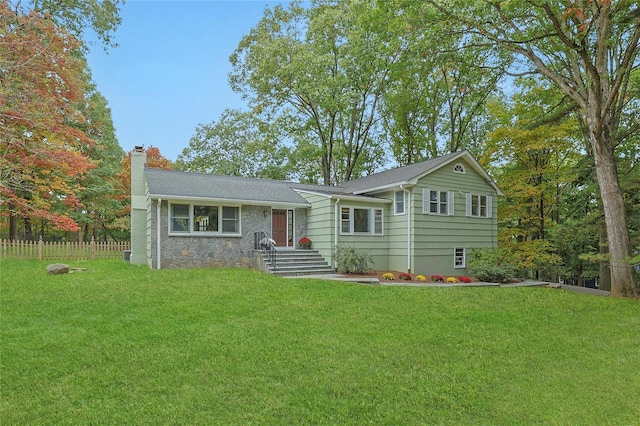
pixel 416 241
pixel 320 224
pixel 395 234
pixel 321 229
pixel 375 245
pixel 437 236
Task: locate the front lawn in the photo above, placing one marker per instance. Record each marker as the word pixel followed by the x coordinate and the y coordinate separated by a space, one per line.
pixel 120 344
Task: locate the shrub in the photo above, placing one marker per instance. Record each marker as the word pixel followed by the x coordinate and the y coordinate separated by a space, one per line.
pixel 404 276
pixel 437 278
pixel 452 280
pixel 464 279
pixel 487 265
pixel 421 278
pixel 353 260
pixel 388 276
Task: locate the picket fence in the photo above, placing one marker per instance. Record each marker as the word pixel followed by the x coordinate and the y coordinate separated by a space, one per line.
pixel 62 250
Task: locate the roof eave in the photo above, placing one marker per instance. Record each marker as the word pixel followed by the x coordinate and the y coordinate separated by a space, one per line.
pixel 348 197
pixel 230 201
pixel 383 188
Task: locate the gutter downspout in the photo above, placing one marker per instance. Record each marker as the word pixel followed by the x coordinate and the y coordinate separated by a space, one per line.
pixel 408 210
pixel 336 228
pixel 158 229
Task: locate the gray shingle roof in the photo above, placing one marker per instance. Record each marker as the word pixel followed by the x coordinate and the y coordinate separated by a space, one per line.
pixel 398 175
pixel 173 184
pixel 168 183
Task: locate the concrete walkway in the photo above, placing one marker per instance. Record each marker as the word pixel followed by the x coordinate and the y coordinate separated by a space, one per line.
pixel 527 283
pixel 586 290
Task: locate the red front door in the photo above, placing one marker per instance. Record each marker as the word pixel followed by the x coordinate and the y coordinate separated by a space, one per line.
pixel 279 227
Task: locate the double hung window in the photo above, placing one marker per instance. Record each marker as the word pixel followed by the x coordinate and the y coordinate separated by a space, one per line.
pixel 398 199
pixel 437 202
pixel 180 218
pixel 479 205
pixel 360 220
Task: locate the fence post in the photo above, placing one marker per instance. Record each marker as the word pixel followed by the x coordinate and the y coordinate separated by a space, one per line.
pixel 40 248
pixel 93 248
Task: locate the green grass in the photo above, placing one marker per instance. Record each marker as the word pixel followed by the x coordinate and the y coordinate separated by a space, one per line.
pixel 120 344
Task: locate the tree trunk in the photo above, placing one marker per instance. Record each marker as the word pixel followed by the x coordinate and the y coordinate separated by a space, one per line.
pixel 604 282
pixel 28 232
pixel 13 226
pixel 622 281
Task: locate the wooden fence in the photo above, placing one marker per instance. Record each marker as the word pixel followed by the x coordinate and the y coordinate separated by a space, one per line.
pixel 42 250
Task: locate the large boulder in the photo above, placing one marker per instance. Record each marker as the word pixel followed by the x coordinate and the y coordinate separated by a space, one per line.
pixel 57 268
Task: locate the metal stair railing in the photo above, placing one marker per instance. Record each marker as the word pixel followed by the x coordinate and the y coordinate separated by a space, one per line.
pixel 261 241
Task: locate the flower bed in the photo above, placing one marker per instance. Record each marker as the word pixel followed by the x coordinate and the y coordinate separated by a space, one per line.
pixel 403 277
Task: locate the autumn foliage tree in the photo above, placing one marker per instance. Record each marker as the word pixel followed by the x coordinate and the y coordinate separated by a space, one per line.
pixel 533 148
pixel 41 145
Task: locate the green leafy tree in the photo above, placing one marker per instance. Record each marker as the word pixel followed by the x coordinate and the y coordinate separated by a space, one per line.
pixel 435 103
pixel 102 199
pixel 78 16
pixel 239 144
pixel 326 67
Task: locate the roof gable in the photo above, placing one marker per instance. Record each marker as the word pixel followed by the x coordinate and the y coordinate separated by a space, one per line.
pixel 409 175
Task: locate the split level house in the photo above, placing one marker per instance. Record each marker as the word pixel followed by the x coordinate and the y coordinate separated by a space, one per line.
pixel 423 218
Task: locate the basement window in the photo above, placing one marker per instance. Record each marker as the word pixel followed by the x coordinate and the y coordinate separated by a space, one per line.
pixel 459 257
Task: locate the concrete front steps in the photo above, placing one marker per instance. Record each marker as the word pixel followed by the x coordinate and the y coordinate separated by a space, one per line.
pixel 298 262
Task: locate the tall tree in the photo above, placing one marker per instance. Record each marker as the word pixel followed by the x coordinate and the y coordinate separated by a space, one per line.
pixel 239 144
pixel 326 66
pixel 41 147
pixel 436 101
pixel 588 49
pixel 100 217
pixel 77 16
pixel 534 149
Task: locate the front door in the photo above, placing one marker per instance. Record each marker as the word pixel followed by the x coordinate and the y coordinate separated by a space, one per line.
pixel 279 227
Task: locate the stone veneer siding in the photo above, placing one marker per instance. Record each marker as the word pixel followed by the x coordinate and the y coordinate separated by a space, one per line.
pixel 216 252
pixel 300 221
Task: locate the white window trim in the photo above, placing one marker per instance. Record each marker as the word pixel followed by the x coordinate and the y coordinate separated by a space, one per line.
pixel 395 203
pixel 372 220
pixel 426 202
pixel 489 206
pixel 464 258
pixel 192 233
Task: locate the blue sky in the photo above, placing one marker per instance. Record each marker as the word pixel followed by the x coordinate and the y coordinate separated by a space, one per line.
pixel 169 72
